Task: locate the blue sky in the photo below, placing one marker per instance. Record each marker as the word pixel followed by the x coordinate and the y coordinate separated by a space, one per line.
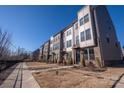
pixel 32 25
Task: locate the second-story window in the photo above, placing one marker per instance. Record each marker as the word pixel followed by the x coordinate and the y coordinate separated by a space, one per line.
pixel 77 40
pixel 82 36
pixel 88 34
pixel 68 44
pixel 108 39
pixel 56 46
pixel 86 18
pixel 76 26
pixel 81 21
pixel 68 32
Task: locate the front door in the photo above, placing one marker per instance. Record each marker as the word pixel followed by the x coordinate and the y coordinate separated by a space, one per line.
pixel 77 56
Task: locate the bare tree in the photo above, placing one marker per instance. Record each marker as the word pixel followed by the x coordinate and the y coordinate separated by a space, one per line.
pixel 5 41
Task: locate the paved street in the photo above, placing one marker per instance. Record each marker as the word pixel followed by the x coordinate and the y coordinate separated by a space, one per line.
pixel 20 77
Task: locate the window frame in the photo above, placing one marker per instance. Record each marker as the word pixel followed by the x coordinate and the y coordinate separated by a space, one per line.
pixel 76 26
pixel 86 18
pixel 77 40
pixel 68 32
pixel 68 43
pixel 88 35
pixel 81 21
pixel 89 54
pixel 82 36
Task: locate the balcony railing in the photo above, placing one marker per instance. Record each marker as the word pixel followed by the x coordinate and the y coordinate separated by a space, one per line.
pixel 64 49
pixel 76 46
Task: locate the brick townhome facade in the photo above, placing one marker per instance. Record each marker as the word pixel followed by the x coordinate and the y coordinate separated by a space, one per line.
pixel 91 38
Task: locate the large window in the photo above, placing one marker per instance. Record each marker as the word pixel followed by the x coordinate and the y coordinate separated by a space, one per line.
pixel 77 40
pixel 88 34
pixel 69 43
pixel 81 21
pixel 85 54
pixel 76 26
pixel 56 46
pixel 108 40
pixel 68 32
pixel 82 36
pixel 89 54
pixel 86 18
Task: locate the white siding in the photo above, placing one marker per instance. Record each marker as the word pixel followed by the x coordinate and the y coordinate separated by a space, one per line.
pixel 67 38
pixel 82 13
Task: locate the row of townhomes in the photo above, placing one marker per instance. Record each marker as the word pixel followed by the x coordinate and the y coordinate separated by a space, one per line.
pixel 91 38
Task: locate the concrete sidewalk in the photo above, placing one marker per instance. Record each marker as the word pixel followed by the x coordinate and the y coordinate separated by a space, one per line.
pixel 21 77
pixel 12 80
pixel 120 84
pixel 28 80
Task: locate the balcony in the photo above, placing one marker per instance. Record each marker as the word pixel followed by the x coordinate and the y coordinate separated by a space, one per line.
pixel 76 46
pixel 64 49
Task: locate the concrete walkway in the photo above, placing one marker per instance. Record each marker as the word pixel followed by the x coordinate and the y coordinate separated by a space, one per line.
pixel 21 77
pixel 120 83
pixel 28 80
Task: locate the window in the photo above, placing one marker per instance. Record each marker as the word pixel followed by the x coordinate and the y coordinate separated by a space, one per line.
pixel 88 34
pixel 86 18
pixel 116 44
pixel 76 26
pixel 81 21
pixel 69 43
pixel 85 54
pixel 56 46
pixel 68 32
pixel 109 28
pixel 89 54
pixel 82 36
pixel 108 40
pixel 77 40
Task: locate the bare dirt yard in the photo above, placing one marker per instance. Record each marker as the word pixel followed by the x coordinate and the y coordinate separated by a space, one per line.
pixel 78 78
pixel 39 65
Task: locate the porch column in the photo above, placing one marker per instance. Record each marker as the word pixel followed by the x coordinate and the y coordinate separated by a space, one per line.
pixel 73 56
pixel 82 60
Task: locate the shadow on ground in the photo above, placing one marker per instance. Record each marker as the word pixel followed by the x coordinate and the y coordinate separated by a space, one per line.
pixel 5 73
pixel 120 65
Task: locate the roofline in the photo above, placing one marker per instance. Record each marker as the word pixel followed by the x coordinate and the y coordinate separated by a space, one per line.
pixel 82 8
pixel 45 42
pixel 67 27
pixel 72 23
pixel 63 30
